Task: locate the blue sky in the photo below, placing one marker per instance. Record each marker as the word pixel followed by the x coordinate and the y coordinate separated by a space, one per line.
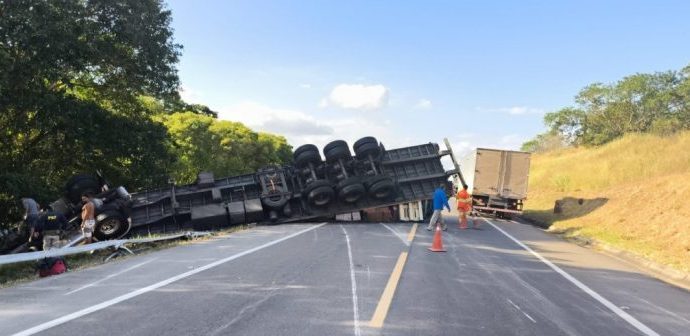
pixel 482 74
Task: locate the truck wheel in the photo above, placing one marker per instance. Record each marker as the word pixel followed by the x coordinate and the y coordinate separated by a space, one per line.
pixel 275 199
pixel 367 146
pixel 110 226
pixel 381 187
pixel 306 154
pixel 79 184
pixel 351 190
pixel 305 148
pixel 319 193
pixel 336 150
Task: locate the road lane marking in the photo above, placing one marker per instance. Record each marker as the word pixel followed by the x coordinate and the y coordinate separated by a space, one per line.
pixel 395 233
pixel 387 296
pixel 110 276
pixel 410 236
pixel 355 306
pixel 522 311
pixel 666 311
pixel 144 290
pixel 621 313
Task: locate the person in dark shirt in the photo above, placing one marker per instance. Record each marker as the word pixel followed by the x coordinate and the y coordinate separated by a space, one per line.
pixel 53 224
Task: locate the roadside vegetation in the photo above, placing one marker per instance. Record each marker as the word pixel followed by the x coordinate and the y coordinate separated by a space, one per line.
pixel 14 274
pixel 616 168
pixel 93 85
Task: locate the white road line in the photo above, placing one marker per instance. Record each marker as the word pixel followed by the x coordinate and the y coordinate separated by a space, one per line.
pixel 396 234
pixel 522 311
pixel 110 276
pixel 627 317
pixel 140 291
pixel 355 306
pixel 666 311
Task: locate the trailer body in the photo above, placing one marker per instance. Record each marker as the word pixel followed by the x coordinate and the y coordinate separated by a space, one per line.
pixel 283 194
pixel 496 179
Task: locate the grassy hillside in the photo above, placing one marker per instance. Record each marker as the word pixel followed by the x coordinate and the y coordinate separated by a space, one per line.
pixel 633 193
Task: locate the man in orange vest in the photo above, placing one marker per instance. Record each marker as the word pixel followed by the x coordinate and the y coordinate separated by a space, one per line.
pixel 464 207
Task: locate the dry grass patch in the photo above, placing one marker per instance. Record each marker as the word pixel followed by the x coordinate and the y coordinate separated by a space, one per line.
pixel 645 182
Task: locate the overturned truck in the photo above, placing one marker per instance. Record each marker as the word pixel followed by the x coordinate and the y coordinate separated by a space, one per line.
pixel 312 186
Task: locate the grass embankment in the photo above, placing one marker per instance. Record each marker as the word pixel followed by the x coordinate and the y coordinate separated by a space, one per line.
pixel 634 193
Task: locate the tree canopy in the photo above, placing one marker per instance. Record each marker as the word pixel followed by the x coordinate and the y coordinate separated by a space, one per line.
pixel 92 85
pixel 223 147
pixel 657 103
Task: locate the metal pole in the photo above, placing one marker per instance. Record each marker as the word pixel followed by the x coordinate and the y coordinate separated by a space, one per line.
pixel 455 162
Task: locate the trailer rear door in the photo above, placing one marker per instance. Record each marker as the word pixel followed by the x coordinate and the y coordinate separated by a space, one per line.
pixel 501 173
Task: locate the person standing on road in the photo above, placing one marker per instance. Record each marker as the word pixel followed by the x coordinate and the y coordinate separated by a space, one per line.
pixel 440 201
pixel 88 219
pixel 464 207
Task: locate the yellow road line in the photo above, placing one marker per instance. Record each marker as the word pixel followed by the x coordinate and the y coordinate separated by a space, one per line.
pixel 387 296
pixel 410 236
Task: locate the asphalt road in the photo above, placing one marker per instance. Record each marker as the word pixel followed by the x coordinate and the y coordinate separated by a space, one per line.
pixel 335 279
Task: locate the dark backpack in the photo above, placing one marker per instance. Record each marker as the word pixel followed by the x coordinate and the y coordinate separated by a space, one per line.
pixel 51 266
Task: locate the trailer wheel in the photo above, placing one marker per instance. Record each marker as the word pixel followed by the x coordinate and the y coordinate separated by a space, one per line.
pixel 306 154
pixel 336 150
pixel 351 190
pixel 381 187
pixel 275 198
pixel 319 193
pixel 111 225
pixel 367 146
pixel 304 148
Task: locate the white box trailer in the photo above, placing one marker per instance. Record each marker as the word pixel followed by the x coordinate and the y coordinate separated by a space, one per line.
pixel 497 180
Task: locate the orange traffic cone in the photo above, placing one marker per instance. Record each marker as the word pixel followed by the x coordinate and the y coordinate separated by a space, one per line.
pixel 437 245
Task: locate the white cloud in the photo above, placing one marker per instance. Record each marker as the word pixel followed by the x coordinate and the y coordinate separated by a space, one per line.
pixel 302 128
pixel 423 104
pixel 513 110
pixel 305 86
pixel 279 121
pixel 357 96
pixel 190 95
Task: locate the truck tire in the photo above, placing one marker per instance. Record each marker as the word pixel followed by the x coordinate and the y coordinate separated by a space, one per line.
pixel 305 155
pixel 319 193
pixel 111 225
pixel 351 190
pixel 380 187
pixel 305 148
pixel 275 199
pixel 79 184
pixel 335 150
pixel 367 146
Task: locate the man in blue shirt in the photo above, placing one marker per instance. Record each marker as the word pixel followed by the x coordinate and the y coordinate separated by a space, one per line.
pixel 440 201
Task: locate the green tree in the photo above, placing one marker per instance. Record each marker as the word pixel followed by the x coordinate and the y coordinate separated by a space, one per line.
pixel 71 75
pixel 203 143
pixel 658 102
pixel 543 143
